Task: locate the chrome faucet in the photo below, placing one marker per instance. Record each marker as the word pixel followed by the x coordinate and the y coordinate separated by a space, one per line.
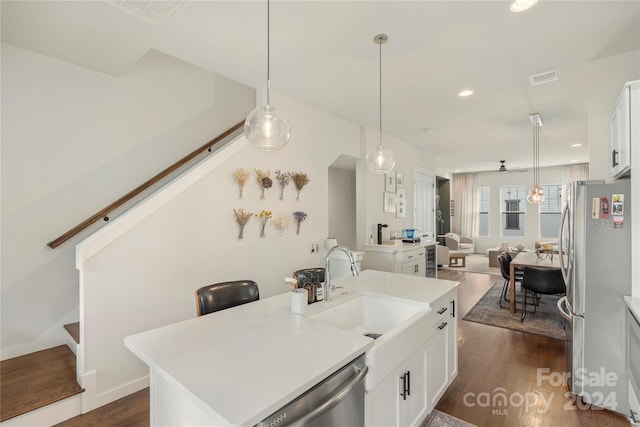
pixel 328 287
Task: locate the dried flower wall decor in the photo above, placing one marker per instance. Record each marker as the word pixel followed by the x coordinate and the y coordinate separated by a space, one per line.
pixel 242 218
pixel 284 178
pixel 299 217
pixel 264 218
pixel 264 181
pixel 300 179
pixel 240 176
pixel 281 222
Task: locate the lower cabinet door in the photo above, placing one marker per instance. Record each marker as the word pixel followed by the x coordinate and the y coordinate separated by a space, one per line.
pixel 400 400
pixel 437 358
pixel 382 404
pixel 414 408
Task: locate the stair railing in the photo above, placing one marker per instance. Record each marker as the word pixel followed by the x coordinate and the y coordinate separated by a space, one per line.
pixel 230 133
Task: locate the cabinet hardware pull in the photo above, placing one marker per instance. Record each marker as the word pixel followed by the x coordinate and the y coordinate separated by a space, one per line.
pixel 404 386
pixel 453 308
pixel 408 383
pixel 410 256
pixel 442 325
pixel 614 158
pixel 442 310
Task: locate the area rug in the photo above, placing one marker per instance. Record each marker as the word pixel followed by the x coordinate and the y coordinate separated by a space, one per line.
pixel 475 263
pixel 440 419
pixel 545 321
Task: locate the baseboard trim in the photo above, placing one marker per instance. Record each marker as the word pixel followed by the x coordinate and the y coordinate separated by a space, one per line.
pixel 91 400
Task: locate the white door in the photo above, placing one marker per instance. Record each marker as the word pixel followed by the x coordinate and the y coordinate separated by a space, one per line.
pixel 424 201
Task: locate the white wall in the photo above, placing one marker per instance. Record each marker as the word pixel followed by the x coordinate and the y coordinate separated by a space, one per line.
pixel 342 206
pixel 73 141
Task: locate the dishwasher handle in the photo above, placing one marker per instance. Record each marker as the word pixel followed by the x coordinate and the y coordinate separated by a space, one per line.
pixel 332 401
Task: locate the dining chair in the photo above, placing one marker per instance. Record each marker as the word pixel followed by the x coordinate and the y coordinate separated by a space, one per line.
pixel 223 295
pixel 542 281
pixel 504 262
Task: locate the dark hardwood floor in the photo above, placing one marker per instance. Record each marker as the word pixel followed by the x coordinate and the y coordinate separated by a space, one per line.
pixel 492 362
pixel 35 380
pixel 495 362
pixel 130 411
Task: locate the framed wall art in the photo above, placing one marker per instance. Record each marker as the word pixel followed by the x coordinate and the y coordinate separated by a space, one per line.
pixel 389 202
pixel 401 210
pixel 390 183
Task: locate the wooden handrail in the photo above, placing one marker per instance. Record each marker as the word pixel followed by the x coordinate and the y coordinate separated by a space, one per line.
pixel 139 189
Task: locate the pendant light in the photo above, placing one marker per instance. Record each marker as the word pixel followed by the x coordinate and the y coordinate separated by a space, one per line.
pixel 536 193
pixel 263 128
pixel 381 159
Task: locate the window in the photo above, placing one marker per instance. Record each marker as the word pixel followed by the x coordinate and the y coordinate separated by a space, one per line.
pixel 484 214
pixel 551 211
pixel 513 209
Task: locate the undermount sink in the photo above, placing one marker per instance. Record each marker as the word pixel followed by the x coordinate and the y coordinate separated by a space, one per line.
pixel 398 326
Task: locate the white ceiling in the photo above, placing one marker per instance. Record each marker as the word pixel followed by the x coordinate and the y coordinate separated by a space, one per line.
pixel 322 52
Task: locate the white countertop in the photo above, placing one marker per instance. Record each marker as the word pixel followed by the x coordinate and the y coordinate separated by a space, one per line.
pixel 392 247
pixel 634 305
pixel 244 363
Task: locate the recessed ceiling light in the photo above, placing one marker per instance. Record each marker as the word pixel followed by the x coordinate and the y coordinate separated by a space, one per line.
pixel 522 5
pixel 457 170
pixel 465 93
pixel 574 161
pixel 576 145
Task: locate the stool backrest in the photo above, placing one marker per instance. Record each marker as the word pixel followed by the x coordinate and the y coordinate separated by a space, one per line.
pixel 220 296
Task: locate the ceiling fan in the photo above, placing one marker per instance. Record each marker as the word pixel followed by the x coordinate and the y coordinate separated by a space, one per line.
pixel 503 168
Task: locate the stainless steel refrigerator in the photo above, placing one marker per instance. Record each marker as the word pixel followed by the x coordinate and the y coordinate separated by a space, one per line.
pixel 595 253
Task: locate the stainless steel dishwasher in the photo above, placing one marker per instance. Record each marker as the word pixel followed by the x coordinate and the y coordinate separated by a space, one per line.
pixel 337 401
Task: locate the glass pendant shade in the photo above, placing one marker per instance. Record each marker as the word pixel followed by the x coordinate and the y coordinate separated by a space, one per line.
pixel 265 130
pixel 380 160
pixel 536 195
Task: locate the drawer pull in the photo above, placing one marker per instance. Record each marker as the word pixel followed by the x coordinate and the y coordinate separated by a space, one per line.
pixel 442 310
pixel 410 256
pixel 442 325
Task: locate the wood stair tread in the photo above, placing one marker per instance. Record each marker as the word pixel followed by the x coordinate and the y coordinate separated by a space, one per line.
pixel 74 331
pixel 37 379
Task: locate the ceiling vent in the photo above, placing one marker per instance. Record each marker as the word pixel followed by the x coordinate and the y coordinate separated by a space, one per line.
pixel 542 78
pixel 154 11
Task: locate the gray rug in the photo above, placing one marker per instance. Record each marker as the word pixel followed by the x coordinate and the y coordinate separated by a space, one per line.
pixel 440 419
pixel 545 321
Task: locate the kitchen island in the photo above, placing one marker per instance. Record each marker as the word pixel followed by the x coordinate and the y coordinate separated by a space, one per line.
pixel 237 366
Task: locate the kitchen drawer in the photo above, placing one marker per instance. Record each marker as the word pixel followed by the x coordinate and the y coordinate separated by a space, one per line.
pixel 413 255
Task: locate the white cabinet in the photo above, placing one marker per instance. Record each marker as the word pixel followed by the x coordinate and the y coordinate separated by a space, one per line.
pixel 400 399
pixel 624 129
pixel 412 390
pixel 442 348
pixel 405 259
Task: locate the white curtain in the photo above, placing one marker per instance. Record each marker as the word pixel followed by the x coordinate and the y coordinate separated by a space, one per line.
pixel 576 173
pixel 465 196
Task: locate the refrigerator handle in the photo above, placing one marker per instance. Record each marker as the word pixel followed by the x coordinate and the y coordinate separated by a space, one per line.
pixel 564 268
pixel 569 313
pixel 565 314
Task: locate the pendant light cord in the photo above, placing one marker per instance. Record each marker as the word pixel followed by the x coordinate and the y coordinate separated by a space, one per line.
pixel 268 52
pixel 380 100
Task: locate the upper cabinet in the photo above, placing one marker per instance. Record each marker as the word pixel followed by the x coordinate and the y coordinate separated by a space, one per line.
pixel 624 128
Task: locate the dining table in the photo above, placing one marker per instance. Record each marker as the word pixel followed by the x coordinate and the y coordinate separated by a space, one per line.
pixel 529 259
